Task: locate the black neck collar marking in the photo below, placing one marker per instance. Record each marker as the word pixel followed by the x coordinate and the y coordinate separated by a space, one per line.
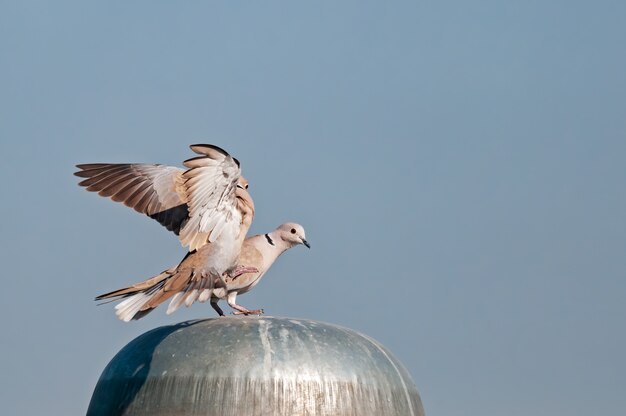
pixel 269 240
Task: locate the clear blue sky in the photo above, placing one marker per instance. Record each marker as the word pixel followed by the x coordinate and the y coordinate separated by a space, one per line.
pixel 459 167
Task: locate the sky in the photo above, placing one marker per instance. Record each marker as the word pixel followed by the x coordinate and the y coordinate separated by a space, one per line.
pixel 459 168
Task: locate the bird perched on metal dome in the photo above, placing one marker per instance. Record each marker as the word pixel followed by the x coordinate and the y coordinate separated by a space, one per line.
pixel 209 208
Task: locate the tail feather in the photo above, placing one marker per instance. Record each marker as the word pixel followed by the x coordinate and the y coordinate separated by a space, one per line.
pixel 142 313
pixel 127 309
pixel 205 294
pixel 183 285
pixel 191 294
pixel 182 297
pixel 191 298
pixel 175 302
pixel 137 287
pixel 137 296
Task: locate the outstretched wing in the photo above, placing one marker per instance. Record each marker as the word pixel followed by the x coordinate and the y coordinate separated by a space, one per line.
pixel 154 190
pixel 198 204
pixel 209 186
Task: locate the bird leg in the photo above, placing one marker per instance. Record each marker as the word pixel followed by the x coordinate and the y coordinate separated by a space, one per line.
pixel 240 310
pixel 239 270
pixel 217 308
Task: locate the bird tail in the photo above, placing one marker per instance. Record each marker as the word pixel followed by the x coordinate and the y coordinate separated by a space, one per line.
pixel 141 298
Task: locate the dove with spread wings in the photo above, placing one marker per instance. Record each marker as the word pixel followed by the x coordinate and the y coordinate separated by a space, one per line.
pixel 208 206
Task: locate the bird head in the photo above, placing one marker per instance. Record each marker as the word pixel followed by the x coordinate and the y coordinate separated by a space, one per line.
pixel 293 234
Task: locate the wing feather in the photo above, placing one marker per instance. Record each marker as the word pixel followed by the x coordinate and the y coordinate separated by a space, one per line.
pixel 129 189
pixel 210 184
pixel 199 203
pixel 148 189
pixel 114 186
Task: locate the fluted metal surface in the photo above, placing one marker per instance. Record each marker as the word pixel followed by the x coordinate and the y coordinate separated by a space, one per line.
pixel 235 366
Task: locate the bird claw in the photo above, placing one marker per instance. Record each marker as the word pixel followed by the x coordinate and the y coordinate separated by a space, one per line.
pixel 246 313
pixel 239 270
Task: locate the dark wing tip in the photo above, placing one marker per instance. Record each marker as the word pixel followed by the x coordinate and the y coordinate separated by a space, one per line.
pixel 209 150
pixel 198 148
pixel 191 159
pixel 83 167
pixel 89 166
pixel 100 297
pixel 81 173
pixel 86 169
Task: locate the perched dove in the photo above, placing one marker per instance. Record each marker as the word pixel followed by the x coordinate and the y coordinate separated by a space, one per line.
pixel 184 283
pixel 199 204
pixel 207 205
pixel 209 208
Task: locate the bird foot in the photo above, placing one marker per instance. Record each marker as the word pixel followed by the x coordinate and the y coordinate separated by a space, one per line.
pixel 248 312
pixel 239 270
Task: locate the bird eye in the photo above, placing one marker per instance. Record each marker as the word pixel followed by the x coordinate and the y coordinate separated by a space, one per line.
pixel 293 231
pixel 247 186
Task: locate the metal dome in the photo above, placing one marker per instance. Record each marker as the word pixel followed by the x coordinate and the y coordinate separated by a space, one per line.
pixel 255 366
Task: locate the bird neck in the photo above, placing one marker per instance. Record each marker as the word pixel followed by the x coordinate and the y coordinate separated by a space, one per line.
pixel 270 245
pixel 276 243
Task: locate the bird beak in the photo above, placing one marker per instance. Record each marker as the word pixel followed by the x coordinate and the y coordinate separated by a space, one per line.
pixel 306 243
